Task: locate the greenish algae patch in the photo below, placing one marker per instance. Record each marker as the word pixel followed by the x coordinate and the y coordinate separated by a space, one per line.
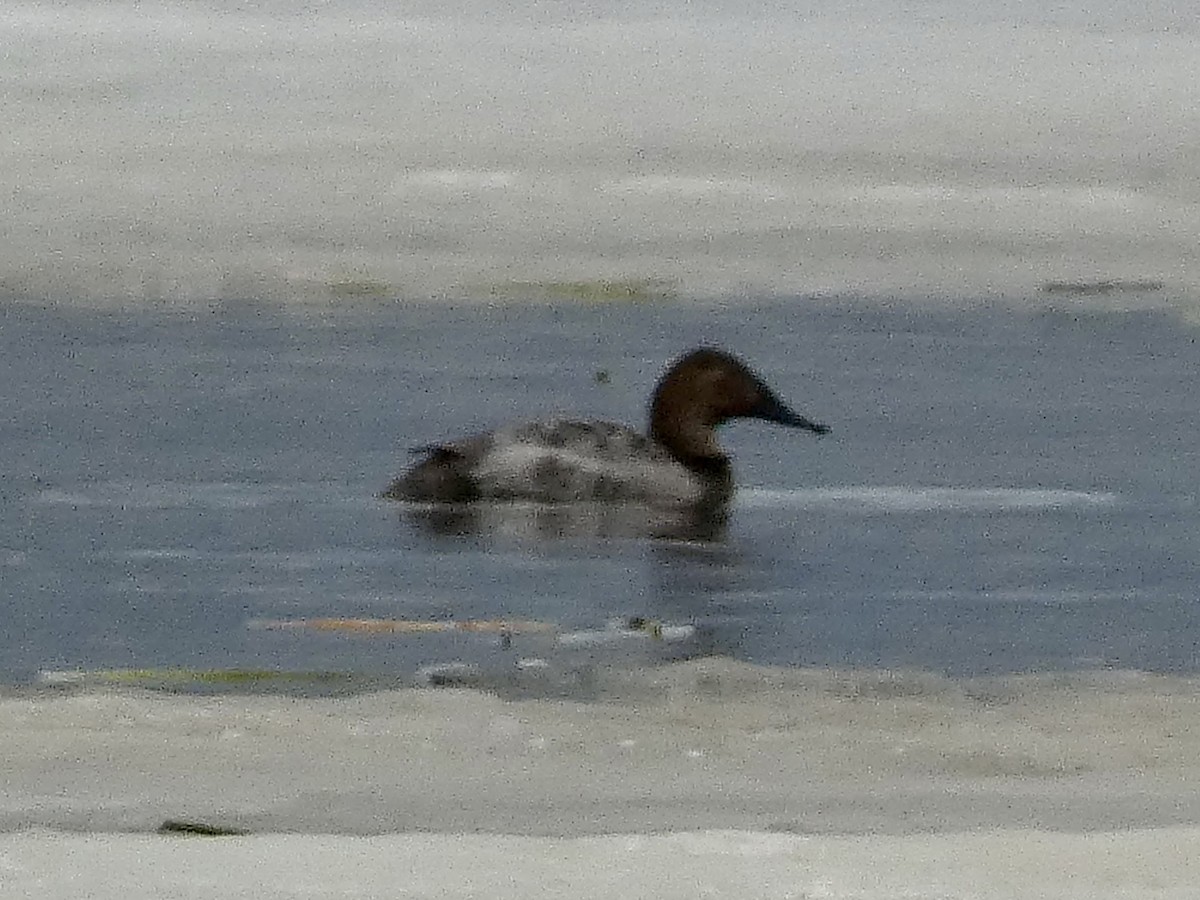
pixel 628 290
pixel 198 829
pixel 1103 286
pixel 185 676
pixel 351 288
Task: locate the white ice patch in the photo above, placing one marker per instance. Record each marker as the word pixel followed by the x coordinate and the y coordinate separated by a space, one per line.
pixel 908 499
pixel 692 187
pixel 1020 596
pixel 178 494
pixel 458 181
pixel 299 561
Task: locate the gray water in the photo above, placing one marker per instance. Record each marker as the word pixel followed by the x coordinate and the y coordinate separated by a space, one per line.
pixel 1004 490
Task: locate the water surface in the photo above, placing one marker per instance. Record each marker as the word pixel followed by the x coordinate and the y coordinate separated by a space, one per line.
pixel 1003 491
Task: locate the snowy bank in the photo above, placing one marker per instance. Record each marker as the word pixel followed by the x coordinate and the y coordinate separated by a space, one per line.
pixel 707 778
pixel 1148 865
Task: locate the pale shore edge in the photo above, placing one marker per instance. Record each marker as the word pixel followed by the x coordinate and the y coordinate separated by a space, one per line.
pixel 1155 864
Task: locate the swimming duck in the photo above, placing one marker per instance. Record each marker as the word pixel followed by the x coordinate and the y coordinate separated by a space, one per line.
pixel 567 460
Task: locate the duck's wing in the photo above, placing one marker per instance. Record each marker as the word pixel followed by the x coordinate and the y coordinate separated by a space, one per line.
pixel 551 461
pixel 585 439
pixel 569 460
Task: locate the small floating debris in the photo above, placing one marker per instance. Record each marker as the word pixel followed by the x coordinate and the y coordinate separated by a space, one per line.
pixel 1103 286
pixel 406 626
pixel 198 829
pixel 622 629
pixel 453 674
pixel 633 628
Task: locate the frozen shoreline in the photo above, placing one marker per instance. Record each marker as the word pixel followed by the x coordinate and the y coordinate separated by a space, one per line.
pixel 707 778
pixel 696 746
pixel 1149 865
pixel 345 153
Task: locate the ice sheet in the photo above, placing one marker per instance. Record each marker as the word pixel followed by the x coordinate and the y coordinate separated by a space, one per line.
pixel 709 744
pixel 702 779
pixel 351 151
pixel 1148 865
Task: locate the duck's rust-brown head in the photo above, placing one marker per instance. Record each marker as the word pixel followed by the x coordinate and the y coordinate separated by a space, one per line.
pixel 705 388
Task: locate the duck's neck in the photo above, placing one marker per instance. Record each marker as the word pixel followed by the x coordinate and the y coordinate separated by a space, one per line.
pixel 691 441
pixel 715 474
pixel 712 469
pixel 686 428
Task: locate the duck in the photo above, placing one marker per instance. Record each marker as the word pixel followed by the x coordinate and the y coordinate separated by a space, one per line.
pixel 562 460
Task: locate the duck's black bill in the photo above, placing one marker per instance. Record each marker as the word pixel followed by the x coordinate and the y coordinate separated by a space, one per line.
pixel 773 409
